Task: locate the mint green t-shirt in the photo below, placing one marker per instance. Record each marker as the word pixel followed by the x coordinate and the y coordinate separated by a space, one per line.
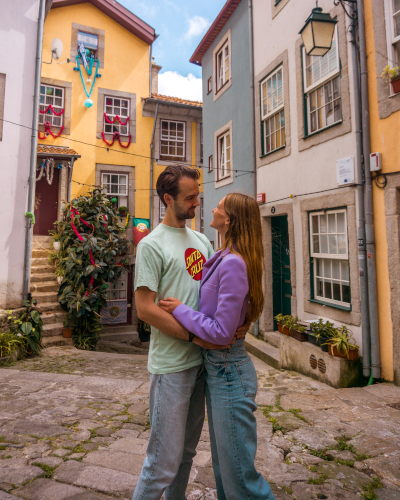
pixel 170 261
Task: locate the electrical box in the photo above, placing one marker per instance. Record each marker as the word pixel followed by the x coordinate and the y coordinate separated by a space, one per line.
pixel 375 162
pixel 261 198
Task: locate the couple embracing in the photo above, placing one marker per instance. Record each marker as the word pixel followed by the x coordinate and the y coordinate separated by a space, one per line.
pixel 196 303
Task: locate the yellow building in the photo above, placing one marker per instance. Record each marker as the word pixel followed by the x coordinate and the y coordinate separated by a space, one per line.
pixel 383 48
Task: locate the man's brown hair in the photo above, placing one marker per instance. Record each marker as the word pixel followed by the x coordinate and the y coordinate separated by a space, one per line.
pixel 168 181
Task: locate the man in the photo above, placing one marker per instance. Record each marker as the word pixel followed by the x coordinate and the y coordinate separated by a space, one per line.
pixel 169 263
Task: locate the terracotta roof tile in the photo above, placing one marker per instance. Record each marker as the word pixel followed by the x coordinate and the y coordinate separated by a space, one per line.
pixel 56 150
pixel 178 100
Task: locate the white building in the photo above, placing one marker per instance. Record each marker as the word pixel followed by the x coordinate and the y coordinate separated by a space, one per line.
pixel 18 40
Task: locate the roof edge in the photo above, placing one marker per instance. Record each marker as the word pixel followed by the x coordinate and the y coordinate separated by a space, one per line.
pixel 171 103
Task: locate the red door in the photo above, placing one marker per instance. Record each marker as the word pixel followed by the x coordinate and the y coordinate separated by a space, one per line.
pixel 46 201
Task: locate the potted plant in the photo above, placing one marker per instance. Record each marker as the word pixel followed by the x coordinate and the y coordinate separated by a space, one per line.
pixel 392 75
pixel 68 327
pixel 298 332
pixel 122 211
pixel 340 344
pixel 279 318
pixel 59 274
pixel 55 241
pixel 321 332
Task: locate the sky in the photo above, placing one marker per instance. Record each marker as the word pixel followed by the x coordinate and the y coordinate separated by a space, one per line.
pixel 181 26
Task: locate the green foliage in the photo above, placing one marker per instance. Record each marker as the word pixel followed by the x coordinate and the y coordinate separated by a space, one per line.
pixel 47 469
pixel 390 74
pixel 291 322
pixel 30 216
pixel 122 209
pixel 341 339
pixel 318 480
pixel 69 321
pixel 81 298
pixel 369 491
pixel 9 344
pixel 323 329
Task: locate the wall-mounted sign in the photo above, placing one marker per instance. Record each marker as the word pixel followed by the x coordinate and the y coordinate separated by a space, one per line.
pixel 261 198
pixel 345 171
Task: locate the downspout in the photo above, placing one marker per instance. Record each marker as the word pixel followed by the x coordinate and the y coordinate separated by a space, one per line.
pixel 151 168
pixel 370 238
pixel 256 330
pixel 366 338
pixel 150 66
pixel 34 140
pixel 70 179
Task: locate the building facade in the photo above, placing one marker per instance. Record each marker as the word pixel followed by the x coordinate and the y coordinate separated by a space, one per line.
pixel 224 54
pixel 18 34
pixel 383 48
pixel 305 140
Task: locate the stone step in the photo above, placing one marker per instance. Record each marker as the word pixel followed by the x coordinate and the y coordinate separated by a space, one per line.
pixel 273 338
pixel 45 297
pixel 49 307
pixel 40 252
pixel 56 341
pixel 51 318
pixel 42 278
pixel 47 286
pixel 263 351
pixel 52 330
pixel 41 269
pixel 39 261
pixel 119 329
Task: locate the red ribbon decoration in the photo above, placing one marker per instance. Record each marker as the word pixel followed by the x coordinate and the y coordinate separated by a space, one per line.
pixel 47 130
pixel 115 119
pixel 73 213
pixel 116 135
pixel 54 112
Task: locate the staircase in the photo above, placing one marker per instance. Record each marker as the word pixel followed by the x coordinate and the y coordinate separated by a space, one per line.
pixel 44 289
pixel 267 350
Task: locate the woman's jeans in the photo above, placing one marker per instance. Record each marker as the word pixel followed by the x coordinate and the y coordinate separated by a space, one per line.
pixel 231 387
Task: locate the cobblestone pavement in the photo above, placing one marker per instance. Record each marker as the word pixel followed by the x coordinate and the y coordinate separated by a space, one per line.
pixel 74 425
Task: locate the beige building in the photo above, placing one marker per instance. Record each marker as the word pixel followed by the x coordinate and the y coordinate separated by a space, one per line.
pixel 306 156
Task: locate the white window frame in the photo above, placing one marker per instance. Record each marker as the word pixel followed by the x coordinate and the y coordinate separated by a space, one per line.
pixel 390 38
pixel 280 105
pixel 167 137
pixel 210 163
pixel 225 42
pixel 209 85
pixel 51 117
pixel 118 194
pixel 223 67
pixel 116 127
pixel 93 51
pixel 223 170
pixel 270 116
pixel 162 209
pixel 328 258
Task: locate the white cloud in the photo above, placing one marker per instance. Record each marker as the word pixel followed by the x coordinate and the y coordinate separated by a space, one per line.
pixel 186 87
pixel 197 27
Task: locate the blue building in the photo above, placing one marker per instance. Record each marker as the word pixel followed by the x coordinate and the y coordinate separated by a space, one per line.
pixel 228 126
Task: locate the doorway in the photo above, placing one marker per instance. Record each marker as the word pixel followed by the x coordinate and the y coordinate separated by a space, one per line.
pixel 46 204
pixel 281 281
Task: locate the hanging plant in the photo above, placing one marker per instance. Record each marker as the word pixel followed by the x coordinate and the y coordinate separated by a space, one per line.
pixel 90 242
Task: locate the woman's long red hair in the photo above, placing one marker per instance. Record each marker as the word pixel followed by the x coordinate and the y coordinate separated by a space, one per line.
pixel 244 237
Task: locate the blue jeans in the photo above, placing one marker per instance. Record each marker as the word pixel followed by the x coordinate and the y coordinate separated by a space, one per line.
pixel 231 387
pixel 177 407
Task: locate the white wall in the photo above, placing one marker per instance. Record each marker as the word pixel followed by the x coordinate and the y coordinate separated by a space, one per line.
pixel 18 32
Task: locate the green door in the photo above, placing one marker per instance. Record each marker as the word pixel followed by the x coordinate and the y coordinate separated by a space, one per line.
pixel 281 285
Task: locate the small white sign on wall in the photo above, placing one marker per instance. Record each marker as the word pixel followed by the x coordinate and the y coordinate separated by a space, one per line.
pixel 345 171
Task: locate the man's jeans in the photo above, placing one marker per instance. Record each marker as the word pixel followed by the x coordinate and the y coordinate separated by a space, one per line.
pixel 230 391
pixel 177 403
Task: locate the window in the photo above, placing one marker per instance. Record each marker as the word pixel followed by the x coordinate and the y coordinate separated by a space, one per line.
pixel 223 66
pixel 54 96
pixel 210 163
pixel 330 254
pixel 173 145
pixel 224 156
pixel 393 31
pixel 272 113
pixel 89 41
pixel 114 106
pixel 162 210
pixel 322 88
pixel 209 85
pixel 202 215
pixel 116 186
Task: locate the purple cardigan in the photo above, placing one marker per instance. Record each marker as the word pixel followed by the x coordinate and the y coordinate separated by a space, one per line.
pixel 224 294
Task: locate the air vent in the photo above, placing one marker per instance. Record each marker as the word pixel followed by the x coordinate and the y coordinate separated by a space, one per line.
pixel 321 366
pixel 313 362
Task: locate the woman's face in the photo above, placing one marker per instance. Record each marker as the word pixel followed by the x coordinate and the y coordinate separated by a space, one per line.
pixel 220 221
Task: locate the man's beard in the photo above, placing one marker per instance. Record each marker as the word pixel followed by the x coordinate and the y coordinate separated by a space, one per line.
pixel 182 214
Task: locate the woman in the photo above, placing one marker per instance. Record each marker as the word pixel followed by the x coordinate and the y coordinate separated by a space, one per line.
pixel 231 285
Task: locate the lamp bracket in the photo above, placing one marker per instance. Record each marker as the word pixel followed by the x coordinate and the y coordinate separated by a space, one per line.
pixel 346 4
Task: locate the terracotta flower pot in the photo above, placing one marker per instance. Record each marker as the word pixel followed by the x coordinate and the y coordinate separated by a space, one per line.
pixel 286 330
pixel 353 353
pixel 122 214
pixel 396 85
pixel 280 328
pixel 67 332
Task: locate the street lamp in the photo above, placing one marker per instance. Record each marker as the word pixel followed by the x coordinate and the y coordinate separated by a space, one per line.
pixel 317 33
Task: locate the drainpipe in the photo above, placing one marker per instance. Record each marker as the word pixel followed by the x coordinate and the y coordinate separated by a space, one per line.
pixel 369 227
pixel 256 330
pixel 150 66
pixel 70 179
pixel 151 167
pixel 362 257
pixel 34 140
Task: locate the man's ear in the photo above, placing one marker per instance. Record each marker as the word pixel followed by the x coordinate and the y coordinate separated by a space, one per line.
pixel 168 199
